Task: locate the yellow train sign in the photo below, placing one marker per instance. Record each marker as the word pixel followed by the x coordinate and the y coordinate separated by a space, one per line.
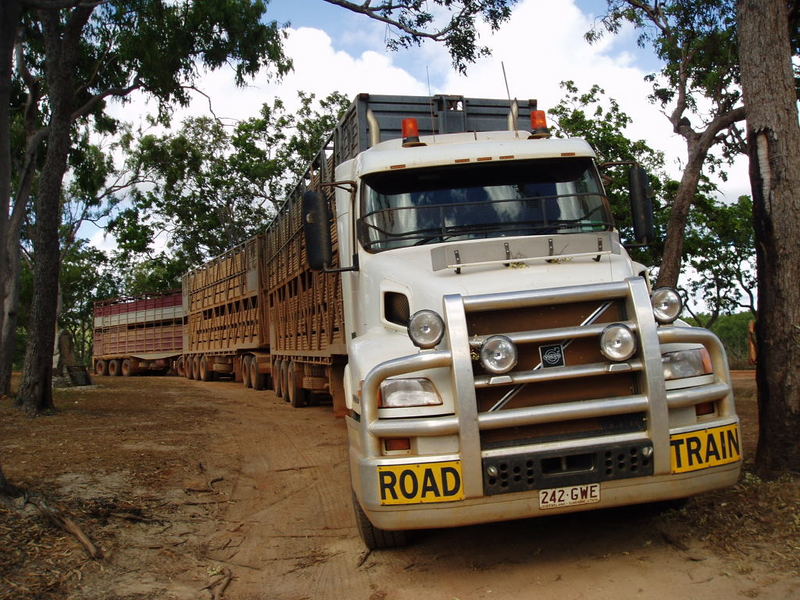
pixel 705 448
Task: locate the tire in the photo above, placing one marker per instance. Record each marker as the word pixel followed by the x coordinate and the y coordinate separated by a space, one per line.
pixel 100 367
pixel 258 381
pixel 128 367
pixel 178 367
pixel 114 367
pixel 296 395
pixel 195 367
pixel 277 379
pixel 246 371
pixel 187 367
pixel 285 379
pixel 373 537
pixel 204 366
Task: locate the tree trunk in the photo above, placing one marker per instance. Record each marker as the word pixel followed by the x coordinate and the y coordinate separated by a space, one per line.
pixel 773 137
pixel 8 323
pixel 61 47
pixel 670 269
pixel 10 13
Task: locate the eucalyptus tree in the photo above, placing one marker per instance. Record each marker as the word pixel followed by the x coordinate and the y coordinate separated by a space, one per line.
pixel 212 186
pixel 449 22
pixel 697 88
pixel 72 56
pixel 768 42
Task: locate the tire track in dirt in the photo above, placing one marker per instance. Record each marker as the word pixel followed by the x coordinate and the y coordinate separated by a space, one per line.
pixel 296 537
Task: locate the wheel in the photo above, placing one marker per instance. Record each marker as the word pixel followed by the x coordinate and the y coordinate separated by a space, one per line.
pixel 178 367
pixel 246 371
pixel 187 367
pixel 101 367
pixel 128 367
pixel 374 538
pixel 284 379
pixel 297 396
pixel 195 367
pixel 257 380
pixel 114 367
pixel 205 371
pixel 277 379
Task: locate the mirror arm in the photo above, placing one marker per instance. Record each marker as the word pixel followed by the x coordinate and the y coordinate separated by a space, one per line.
pixel 351 187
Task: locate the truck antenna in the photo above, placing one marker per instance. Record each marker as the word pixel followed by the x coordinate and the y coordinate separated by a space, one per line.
pixel 428 77
pixel 511 105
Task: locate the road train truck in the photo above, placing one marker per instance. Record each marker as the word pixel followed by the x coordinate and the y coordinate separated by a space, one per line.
pixel 505 357
pixel 138 334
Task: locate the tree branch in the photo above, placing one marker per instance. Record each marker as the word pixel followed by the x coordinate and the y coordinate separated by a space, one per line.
pixel 90 104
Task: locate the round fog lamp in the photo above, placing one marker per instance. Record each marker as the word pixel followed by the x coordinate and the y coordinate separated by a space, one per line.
pixel 667 304
pixel 498 354
pixel 425 328
pixel 617 342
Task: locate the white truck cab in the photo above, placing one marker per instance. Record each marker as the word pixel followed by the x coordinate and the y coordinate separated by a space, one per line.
pixel 506 357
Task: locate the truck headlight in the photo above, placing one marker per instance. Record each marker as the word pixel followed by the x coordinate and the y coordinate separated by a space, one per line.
pixel 667 305
pixel 498 354
pixel 425 328
pixel 399 393
pixel 686 363
pixel 617 342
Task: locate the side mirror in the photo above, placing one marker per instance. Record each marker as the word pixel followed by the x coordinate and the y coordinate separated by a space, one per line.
pixel 317 230
pixel 641 195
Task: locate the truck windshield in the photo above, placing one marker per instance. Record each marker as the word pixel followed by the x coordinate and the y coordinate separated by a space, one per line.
pixel 481 200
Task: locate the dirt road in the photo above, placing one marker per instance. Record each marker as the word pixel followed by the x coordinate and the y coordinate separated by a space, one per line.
pixel 221 486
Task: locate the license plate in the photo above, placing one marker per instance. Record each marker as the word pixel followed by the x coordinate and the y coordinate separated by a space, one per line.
pixel 420 483
pixel 572 495
pixel 705 448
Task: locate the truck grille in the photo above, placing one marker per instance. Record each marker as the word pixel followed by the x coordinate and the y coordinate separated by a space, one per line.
pixel 537 324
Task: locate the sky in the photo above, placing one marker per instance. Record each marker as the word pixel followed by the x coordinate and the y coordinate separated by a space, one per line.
pixel 540 46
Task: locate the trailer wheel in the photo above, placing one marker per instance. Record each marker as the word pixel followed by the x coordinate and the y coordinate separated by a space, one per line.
pixel 206 372
pixel 128 367
pixel 187 367
pixel 284 379
pixel 373 537
pixel 246 370
pixel 114 367
pixel 257 380
pixel 101 367
pixel 294 382
pixel 195 367
pixel 178 366
pixel 277 378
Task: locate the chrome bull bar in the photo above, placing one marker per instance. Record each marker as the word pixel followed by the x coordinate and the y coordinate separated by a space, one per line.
pixel 467 422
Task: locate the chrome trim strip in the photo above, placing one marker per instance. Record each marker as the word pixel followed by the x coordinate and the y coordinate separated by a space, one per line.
pixel 466 406
pixel 559 373
pixel 526 259
pixel 560 295
pixel 692 396
pixel 689 382
pixel 567 445
pixel 548 335
pixel 652 373
pixel 430 426
pixel 566 411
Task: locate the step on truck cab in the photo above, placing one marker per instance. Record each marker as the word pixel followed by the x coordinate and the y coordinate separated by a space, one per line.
pixel 505 356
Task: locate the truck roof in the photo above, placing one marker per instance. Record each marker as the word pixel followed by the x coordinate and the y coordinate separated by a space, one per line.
pixel 469 147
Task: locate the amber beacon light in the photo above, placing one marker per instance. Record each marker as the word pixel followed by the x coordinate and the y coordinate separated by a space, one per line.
pixel 539 124
pixel 411 133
